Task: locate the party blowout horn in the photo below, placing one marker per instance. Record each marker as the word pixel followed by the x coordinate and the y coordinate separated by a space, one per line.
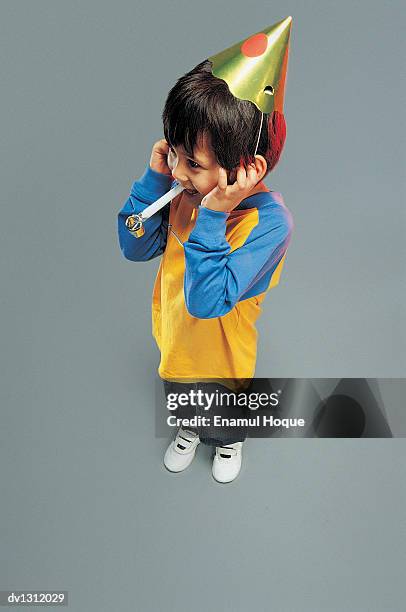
pixel 135 223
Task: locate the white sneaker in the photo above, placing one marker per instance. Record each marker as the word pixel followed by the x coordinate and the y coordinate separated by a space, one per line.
pixel 227 462
pixel 179 454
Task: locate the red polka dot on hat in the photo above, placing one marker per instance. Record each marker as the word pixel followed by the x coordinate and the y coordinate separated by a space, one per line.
pixel 255 45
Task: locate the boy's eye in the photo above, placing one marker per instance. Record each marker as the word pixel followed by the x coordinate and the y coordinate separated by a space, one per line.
pixel 192 163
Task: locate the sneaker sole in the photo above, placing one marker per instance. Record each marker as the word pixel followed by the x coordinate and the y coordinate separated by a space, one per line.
pixel 181 469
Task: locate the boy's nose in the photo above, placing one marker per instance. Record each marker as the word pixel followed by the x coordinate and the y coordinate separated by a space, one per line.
pixel 179 176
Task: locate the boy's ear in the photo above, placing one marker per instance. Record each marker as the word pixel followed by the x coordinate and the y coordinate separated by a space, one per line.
pixel 261 166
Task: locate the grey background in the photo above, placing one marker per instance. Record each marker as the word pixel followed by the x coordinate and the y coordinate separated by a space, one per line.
pixel 86 504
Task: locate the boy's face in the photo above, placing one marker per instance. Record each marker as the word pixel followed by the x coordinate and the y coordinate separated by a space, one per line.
pixel 198 174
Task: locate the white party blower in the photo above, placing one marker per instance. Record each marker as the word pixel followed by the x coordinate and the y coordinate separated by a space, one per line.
pixel 135 223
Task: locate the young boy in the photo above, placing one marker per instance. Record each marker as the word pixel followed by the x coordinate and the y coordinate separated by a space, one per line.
pixel 223 239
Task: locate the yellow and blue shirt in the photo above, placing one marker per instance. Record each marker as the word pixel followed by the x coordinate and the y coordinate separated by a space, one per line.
pixel 215 270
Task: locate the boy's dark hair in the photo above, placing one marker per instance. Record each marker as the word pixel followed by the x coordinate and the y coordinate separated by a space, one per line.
pixel 200 102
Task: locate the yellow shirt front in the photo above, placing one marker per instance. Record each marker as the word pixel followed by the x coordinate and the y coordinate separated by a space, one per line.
pixel 223 347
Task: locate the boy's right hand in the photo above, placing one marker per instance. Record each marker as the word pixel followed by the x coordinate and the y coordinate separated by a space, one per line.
pixel 159 157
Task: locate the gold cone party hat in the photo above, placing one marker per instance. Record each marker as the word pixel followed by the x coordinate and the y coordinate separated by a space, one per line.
pixel 255 68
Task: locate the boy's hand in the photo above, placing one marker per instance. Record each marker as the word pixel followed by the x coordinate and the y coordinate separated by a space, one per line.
pixel 227 197
pixel 159 157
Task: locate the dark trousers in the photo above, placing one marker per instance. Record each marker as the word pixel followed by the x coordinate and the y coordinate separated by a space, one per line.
pixel 209 433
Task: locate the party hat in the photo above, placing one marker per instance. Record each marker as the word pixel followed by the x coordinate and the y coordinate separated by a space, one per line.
pixel 255 68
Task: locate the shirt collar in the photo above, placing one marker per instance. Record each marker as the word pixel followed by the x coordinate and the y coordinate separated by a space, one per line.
pixel 257 199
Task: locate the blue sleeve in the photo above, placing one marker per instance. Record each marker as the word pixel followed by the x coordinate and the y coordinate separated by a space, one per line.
pixel 215 279
pixel 151 186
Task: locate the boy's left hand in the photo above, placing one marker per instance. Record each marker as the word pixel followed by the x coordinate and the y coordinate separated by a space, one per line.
pixel 225 197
